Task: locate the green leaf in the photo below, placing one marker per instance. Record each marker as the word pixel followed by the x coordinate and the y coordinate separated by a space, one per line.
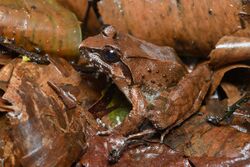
pixel 118 115
pixel 25 58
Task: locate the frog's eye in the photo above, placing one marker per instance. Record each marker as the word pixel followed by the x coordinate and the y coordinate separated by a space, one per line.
pixel 111 55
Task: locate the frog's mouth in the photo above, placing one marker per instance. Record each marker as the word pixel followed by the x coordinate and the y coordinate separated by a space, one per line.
pixel 94 59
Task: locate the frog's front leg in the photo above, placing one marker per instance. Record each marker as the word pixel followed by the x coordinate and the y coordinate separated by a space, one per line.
pixel 184 100
pixel 136 116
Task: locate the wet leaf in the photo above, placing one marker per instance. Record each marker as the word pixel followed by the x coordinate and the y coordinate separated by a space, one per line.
pixel 41 25
pixel 145 155
pixel 218 144
pixel 229 50
pixel 44 131
pixel 220 161
pixel 153 155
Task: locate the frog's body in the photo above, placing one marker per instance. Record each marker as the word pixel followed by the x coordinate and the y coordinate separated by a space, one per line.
pixel 144 72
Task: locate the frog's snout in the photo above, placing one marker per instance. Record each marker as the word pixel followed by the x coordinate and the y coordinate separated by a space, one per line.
pixel 85 44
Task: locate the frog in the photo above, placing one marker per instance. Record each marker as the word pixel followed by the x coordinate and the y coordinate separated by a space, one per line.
pixel 147 74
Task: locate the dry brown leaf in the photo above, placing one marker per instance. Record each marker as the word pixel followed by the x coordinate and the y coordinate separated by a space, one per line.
pixel 5 59
pixel 7 154
pixel 190 26
pixel 219 74
pixel 79 7
pixel 232 92
pixel 219 144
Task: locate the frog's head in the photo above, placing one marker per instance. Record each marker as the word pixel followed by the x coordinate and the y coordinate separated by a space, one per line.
pixel 104 52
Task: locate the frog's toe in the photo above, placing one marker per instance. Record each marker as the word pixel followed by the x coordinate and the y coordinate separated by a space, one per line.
pixel 104 133
pixel 215 120
pixel 116 153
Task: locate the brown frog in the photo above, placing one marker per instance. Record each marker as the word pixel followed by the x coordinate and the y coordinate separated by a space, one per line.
pixel 152 78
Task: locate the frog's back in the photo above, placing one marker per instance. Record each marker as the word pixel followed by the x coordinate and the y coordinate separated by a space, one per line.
pixel 157 74
pixel 152 51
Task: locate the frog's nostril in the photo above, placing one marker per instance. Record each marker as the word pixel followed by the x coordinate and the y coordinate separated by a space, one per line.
pixel 82 46
pixel 86 43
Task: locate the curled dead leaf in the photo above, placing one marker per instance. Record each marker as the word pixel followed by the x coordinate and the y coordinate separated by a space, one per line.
pixel 232 91
pixel 41 25
pixel 87 16
pixel 79 7
pixel 229 50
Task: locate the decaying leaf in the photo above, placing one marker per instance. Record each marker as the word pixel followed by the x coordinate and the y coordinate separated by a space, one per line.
pixel 214 145
pixel 229 50
pixel 44 130
pixel 48 112
pixel 5 106
pixel 220 161
pixel 41 25
pixel 7 155
pixel 144 155
pixel 5 59
pixel 189 26
pixel 232 91
pixel 80 8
